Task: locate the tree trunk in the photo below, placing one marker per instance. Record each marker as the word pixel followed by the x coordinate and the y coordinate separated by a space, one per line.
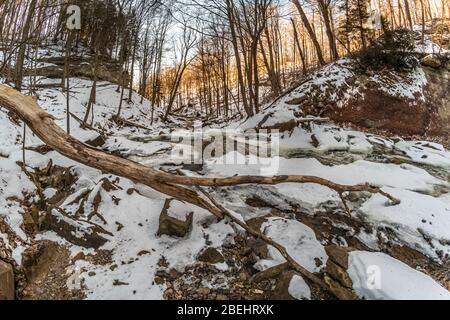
pixel 23 45
pixel 297 41
pixel 325 11
pixel 310 30
pixel 234 41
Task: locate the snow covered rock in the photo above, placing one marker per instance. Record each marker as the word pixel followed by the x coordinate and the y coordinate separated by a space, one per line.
pixel 377 276
pixel 300 242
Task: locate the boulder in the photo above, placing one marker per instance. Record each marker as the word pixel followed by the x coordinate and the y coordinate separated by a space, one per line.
pixel 339 274
pixel 431 61
pixel 6 281
pixel 339 255
pixel 340 291
pixel 171 226
pixel 212 256
pixel 271 273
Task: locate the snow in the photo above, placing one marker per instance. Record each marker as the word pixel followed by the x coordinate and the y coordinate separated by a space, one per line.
pixel 424 152
pixel 298 288
pixel 359 172
pixel 139 217
pixel 135 247
pixel 417 215
pixel 377 276
pixel 299 241
pixel 408 85
pixel 14 184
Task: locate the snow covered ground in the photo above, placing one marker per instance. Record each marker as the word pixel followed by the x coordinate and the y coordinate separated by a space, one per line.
pixel 127 214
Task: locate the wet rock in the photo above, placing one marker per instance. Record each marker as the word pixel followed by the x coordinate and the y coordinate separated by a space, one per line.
pixel 171 226
pixel 6 281
pixel 212 256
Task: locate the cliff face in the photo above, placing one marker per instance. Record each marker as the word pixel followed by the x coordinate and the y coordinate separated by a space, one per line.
pixel 412 103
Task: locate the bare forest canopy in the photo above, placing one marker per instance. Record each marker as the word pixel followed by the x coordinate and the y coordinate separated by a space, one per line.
pixel 226 57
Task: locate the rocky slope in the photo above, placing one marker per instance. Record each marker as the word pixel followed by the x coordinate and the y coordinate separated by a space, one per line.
pixel 411 103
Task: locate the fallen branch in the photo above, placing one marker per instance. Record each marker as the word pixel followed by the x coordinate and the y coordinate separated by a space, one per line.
pixel 123 121
pixel 43 125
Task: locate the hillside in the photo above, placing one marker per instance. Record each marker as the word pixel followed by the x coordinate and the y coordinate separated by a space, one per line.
pixel 224 150
pixel 75 232
pixel 410 103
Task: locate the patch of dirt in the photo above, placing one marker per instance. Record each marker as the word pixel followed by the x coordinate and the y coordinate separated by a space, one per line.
pixel 45 274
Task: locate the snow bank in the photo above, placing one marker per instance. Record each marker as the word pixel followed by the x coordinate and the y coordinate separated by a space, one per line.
pixel 377 276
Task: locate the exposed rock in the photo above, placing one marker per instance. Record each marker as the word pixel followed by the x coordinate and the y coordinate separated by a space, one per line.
pixel 80 233
pixel 212 256
pixel 339 255
pixel 97 142
pixel 171 226
pixel 256 223
pixel 281 291
pixel 6 281
pixel 83 67
pixel 259 247
pixel 203 291
pixel 431 61
pixel 340 291
pixel 271 273
pixel 339 274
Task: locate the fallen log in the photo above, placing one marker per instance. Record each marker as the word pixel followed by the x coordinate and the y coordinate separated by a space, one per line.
pixel 43 125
